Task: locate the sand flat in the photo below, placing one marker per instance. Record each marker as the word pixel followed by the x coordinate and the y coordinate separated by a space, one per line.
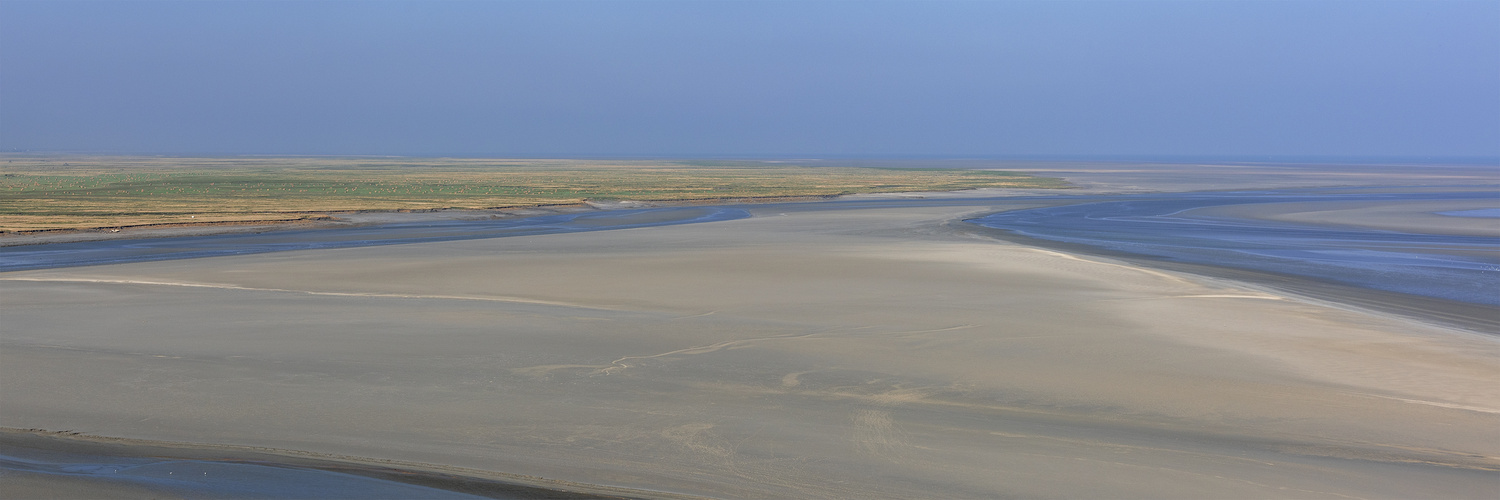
pixel 873 353
pixel 1421 217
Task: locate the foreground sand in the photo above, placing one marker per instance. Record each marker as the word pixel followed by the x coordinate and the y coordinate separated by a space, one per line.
pixel 808 354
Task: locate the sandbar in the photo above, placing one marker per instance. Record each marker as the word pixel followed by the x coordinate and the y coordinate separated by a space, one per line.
pixel 1421 217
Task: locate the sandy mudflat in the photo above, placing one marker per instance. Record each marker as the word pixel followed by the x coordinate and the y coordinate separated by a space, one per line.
pixel 1422 217
pixel 838 353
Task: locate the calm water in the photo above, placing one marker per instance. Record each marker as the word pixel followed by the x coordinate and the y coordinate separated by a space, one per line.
pixel 1462 268
pixel 118 251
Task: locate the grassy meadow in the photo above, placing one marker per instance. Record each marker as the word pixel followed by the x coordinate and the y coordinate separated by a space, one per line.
pixel 49 193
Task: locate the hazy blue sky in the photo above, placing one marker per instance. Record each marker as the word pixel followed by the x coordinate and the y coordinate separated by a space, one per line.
pixel 714 78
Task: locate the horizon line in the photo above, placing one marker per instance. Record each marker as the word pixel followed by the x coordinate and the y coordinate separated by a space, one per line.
pixel 1129 158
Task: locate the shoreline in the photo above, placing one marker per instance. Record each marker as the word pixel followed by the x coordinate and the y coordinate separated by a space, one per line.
pixel 355 218
pixel 1472 318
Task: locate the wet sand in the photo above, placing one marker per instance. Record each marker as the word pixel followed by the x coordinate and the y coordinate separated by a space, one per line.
pixel 836 353
pixel 1421 217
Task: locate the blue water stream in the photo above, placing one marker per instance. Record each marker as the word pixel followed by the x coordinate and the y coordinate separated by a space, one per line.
pixel 86 253
pixel 1462 268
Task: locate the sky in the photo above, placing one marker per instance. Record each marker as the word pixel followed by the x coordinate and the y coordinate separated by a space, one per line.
pixel 754 78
